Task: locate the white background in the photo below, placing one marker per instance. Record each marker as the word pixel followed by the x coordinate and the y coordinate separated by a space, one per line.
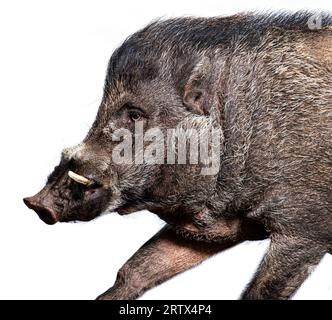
pixel 53 57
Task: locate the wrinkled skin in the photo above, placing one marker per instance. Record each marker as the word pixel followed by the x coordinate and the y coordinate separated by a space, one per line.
pixel 270 92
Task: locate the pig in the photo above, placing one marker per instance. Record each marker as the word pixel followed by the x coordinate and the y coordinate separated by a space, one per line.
pixel 264 81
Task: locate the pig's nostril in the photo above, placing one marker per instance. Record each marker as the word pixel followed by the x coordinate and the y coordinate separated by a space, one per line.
pixel 30 203
pixel 46 214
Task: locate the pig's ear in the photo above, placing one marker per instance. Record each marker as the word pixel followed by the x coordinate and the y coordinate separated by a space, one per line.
pixel 200 93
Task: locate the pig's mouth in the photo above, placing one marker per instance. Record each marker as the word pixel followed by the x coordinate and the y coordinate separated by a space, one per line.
pixel 84 200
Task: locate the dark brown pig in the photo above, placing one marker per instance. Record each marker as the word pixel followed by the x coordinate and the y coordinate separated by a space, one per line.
pixel 259 87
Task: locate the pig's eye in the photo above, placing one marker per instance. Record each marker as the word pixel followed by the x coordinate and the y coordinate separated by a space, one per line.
pixel 135 115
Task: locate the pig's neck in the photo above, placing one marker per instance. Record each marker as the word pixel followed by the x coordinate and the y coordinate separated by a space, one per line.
pixel 240 115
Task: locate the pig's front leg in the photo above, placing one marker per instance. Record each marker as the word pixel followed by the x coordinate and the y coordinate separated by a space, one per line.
pixel 162 257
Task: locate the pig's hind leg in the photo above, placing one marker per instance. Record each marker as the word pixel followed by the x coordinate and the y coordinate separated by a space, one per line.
pixel 285 266
pixel 162 257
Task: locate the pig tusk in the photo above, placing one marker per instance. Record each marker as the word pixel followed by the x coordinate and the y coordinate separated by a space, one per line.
pixel 79 179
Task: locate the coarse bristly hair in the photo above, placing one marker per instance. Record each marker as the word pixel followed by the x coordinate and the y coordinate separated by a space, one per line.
pixel 265 82
pixel 178 36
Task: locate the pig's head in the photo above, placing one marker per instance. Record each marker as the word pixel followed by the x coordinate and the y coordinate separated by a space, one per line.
pixel 151 85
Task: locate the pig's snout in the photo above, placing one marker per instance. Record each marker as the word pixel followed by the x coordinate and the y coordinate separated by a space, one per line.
pixel 48 215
